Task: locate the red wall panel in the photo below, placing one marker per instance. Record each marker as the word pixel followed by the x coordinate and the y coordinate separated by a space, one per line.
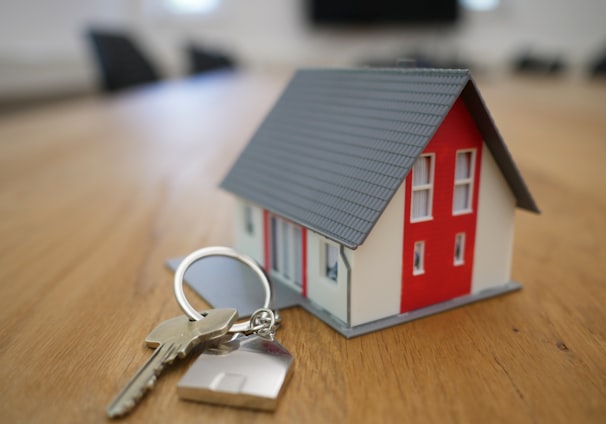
pixel 442 279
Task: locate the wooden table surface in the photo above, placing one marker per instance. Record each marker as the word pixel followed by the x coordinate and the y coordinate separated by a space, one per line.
pixel 96 194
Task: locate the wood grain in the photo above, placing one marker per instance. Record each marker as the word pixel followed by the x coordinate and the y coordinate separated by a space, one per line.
pixel 96 194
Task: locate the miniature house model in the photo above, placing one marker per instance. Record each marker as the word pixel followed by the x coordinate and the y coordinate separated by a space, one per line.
pixel 379 195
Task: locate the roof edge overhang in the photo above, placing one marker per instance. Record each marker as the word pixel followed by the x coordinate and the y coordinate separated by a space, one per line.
pixel 478 110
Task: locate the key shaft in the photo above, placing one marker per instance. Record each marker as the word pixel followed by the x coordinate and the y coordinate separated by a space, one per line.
pixel 142 381
pixel 172 338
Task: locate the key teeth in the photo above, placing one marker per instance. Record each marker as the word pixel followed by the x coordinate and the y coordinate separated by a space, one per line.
pixel 126 406
pixel 151 383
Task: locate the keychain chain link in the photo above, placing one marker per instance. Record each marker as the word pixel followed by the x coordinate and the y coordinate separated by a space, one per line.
pixel 264 323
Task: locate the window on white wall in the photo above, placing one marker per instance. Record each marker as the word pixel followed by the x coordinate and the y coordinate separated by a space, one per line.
pixel 422 188
pixel 298 252
pixel 286 249
pixel 331 261
pixel 285 233
pixel 418 261
pixel 463 189
pixel 274 240
pixel 249 225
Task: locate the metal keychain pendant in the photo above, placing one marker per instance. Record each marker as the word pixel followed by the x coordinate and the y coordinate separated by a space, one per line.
pixel 251 369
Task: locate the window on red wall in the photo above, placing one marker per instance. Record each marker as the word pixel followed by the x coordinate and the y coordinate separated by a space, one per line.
pixel 459 249
pixel 463 187
pixel 422 188
pixel 418 260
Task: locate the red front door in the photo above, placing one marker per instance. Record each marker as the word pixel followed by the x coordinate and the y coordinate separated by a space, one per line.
pixel 440 214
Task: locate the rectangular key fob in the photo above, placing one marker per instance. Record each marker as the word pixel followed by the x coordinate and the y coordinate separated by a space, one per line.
pixel 249 371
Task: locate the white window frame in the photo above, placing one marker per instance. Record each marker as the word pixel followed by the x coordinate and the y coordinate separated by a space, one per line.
pixel 420 246
pixel 467 181
pixel 287 249
pixel 297 252
pixel 283 256
pixel 460 258
pixel 326 252
pixel 423 187
pixel 248 220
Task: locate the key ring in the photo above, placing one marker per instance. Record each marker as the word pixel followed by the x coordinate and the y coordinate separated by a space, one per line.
pixel 241 327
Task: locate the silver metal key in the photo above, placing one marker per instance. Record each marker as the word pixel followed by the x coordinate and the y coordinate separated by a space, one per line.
pixel 172 338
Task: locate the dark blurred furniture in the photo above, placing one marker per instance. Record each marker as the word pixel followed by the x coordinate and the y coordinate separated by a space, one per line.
pixel 200 60
pixel 597 67
pixel 530 63
pixel 417 60
pixel 121 62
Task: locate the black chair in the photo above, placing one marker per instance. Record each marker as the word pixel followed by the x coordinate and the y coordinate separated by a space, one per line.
pixel 202 60
pixel 120 61
pixel 597 67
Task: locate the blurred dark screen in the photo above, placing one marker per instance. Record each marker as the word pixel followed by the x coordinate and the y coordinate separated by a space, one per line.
pixel 377 12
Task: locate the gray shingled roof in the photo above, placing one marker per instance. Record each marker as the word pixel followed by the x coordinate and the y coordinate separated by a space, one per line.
pixel 338 144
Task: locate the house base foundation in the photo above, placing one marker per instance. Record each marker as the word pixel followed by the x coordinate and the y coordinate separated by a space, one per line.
pixel 224 282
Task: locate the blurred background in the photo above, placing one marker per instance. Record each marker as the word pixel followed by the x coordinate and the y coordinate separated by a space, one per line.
pixel 53 49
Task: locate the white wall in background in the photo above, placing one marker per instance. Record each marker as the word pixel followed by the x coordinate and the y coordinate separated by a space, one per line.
pixel 42 47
